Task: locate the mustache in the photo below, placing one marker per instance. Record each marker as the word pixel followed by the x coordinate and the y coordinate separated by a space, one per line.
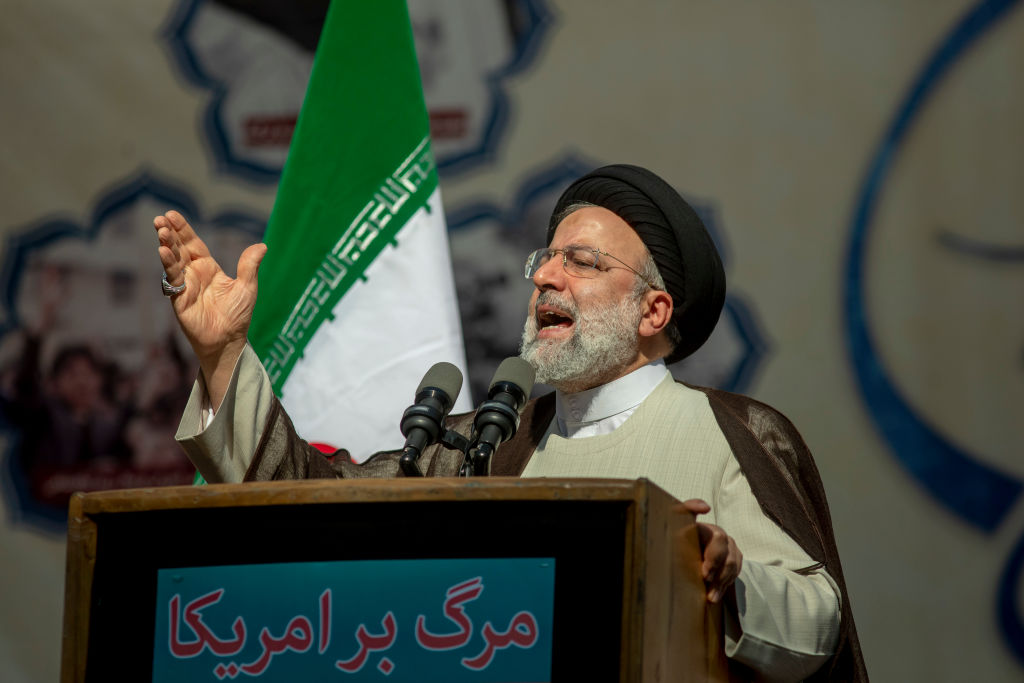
pixel 552 298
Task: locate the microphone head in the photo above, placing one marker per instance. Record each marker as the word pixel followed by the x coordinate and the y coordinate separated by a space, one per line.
pixel 514 370
pixel 443 376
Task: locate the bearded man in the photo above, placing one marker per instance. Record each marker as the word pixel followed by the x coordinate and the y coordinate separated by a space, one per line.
pixel 629 281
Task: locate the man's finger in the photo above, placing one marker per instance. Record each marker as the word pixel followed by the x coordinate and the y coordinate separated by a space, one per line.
pixel 170 263
pixel 695 506
pixel 727 574
pixel 188 237
pixel 169 250
pixel 722 560
pixel 249 263
pixel 716 550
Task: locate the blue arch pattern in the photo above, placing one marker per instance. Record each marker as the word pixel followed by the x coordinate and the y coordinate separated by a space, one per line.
pixel 976 492
pixel 41 234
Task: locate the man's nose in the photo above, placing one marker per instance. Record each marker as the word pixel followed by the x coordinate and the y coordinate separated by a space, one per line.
pixel 551 275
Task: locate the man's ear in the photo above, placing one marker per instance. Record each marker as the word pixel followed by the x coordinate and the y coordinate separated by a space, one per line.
pixel 657 312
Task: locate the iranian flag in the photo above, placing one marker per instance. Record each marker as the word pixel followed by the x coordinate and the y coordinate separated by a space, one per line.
pixel 356 298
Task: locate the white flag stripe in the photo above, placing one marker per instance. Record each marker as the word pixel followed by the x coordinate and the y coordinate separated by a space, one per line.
pixel 385 334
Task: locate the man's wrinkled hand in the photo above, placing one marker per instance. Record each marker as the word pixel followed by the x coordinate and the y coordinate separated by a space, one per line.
pixel 214 310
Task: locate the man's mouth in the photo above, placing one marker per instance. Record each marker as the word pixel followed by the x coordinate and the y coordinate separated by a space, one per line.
pixel 552 321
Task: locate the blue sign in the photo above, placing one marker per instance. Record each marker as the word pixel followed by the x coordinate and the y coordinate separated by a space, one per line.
pixel 446 620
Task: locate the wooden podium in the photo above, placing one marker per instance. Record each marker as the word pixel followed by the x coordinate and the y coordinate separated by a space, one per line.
pixel 628 600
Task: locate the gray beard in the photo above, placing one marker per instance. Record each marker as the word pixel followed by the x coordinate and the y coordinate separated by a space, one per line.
pixel 604 341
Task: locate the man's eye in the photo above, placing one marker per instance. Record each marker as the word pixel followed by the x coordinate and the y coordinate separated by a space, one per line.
pixel 581 259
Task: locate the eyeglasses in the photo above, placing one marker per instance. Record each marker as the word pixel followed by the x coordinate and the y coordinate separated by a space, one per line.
pixel 577 261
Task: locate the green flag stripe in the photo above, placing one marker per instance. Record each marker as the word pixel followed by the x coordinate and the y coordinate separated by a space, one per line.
pixel 358 168
pixel 374 228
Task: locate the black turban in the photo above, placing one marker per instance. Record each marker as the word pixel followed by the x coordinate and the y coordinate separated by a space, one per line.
pixel 674 235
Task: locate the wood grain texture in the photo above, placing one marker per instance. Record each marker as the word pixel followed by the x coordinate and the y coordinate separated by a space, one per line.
pixel 81 560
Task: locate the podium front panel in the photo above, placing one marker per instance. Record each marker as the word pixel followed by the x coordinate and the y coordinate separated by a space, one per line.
pixel 585 545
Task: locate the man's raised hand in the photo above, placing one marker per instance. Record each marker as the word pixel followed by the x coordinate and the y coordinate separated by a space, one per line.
pixel 214 310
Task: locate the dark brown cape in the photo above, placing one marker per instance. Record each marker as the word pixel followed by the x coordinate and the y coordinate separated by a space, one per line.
pixel 768 447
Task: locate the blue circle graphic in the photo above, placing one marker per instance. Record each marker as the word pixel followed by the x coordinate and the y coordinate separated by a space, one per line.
pixel 974 491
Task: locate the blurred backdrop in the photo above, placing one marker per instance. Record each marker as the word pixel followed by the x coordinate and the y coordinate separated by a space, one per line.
pixel 859 164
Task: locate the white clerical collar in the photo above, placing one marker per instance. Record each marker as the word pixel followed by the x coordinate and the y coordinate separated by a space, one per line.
pixel 619 396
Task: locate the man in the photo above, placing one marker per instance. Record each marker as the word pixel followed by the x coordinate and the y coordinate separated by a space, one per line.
pixel 630 279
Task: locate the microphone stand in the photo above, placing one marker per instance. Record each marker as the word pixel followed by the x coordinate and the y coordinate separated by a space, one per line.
pixel 478 461
pixel 451 440
pixel 495 423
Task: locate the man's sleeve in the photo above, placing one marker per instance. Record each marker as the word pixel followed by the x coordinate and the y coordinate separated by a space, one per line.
pixel 783 618
pixel 251 438
pixel 222 448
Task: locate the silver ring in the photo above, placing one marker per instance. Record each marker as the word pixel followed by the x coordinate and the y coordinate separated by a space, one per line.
pixel 169 289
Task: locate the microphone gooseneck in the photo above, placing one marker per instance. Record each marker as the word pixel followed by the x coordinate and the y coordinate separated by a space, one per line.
pixel 497 418
pixel 423 422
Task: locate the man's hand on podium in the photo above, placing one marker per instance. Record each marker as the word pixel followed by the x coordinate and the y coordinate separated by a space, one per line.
pixel 721 556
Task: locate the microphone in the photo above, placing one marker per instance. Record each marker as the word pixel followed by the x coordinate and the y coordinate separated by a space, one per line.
pixel 497 418
pixel 422 422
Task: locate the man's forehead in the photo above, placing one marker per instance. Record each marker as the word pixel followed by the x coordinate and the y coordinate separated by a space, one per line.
pixel 594 226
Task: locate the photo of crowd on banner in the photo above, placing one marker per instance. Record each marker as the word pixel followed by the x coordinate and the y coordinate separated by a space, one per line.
pixel 83 420
pixel 93 374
